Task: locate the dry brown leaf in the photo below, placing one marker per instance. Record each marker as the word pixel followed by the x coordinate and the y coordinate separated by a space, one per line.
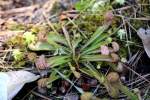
pixel 41 62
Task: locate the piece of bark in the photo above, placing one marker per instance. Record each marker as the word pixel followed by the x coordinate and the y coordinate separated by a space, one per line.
pixel 17 11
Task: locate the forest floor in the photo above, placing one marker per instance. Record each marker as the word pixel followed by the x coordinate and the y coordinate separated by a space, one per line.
pixel 83 49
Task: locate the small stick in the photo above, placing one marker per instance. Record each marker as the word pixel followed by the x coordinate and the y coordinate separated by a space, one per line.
pixel 40 95
pixel 18 10
pixel 136 73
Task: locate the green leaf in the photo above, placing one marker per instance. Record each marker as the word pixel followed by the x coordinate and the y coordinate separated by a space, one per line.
pixel 98 75
pixel 75 43
pixel 56 38
pixel 67 37
pixel 94 47
pixel 95 36
pixel 86 71
pixel 97 57
pixel 53 77
pixel 41 46
pixel 84 4
pixel 58 60
pixel 101 38
pixel 126 91
pixel 81 5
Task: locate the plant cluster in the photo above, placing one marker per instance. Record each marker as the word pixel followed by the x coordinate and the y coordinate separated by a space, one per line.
pixel 80 43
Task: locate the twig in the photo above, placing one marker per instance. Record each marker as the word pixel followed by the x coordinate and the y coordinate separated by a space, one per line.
pixel 140 18
pixel 135 73
pixel 136 80
pixel 129 18
pixel 144 98
pixel 49 23
pixel 128 7
pixel 123 8
pixel 18 10
pixel 40 95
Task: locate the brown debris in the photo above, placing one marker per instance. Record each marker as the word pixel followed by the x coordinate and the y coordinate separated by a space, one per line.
pixel 6 35
pixel 16 11
pixel 31 56
pixel 72 14
pixel 41 62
